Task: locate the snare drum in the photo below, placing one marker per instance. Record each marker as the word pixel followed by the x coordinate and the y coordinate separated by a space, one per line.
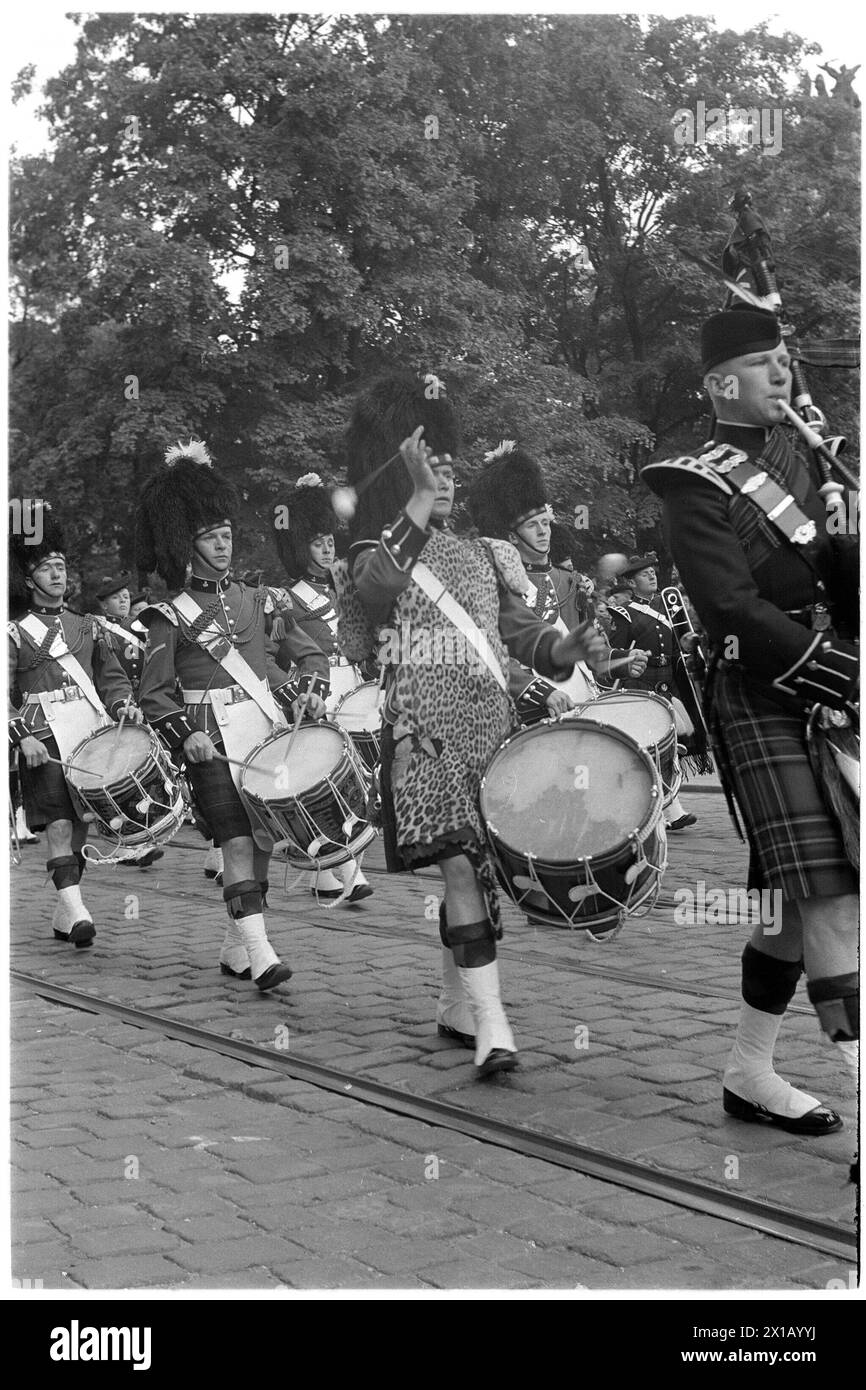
pixel 121 781
pixel 359 714
pixel 649 719
pixel 313 803
pixel 573 812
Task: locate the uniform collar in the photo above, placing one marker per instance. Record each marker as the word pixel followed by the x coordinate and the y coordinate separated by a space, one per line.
pixel 742 436
pixel 318 581
pixel 46 612
pixel 210 586
pixel 543 568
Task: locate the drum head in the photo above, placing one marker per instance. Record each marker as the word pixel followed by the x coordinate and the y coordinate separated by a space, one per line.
pixel 563 792
pixel 110 756
pixel 317 750
pixel 645 718
pixel 359 712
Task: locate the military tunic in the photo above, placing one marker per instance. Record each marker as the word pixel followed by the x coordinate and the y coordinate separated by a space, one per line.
pixel 179 674
pixel 31 673
pixel 781 615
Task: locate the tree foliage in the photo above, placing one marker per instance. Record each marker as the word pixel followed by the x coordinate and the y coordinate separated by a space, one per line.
pixel 242 217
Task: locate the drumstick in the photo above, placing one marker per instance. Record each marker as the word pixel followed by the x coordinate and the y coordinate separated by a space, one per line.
pixel 618 661
pixel 121 722
pixel 302 706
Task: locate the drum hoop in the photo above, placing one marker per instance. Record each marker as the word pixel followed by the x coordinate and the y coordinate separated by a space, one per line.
pixel 346 759
pixel 636 697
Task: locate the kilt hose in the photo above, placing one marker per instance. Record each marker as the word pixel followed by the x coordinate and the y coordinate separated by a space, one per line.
pixel 795 844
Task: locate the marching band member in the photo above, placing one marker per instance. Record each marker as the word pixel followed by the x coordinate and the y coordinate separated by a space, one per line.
pixel 508 501
pixel 127 639
pixel 307 551
pixel 443 720
pixel 641 622
pixel 70 683
pixel 210 639
pixel 777 594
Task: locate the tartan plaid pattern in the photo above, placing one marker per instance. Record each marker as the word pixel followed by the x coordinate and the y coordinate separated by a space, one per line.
pixel 761 749
pixel 830 352
pixel 217 800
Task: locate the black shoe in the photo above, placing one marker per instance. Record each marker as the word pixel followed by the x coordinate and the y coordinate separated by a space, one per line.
pixel 500 1059
pixel 237 974
pixel 327 894
pixel 464 1039
pixel 821 1120
pixel 274 975
pixel 148 859
pixel 81 935
pixel 683 822
pixel 359 892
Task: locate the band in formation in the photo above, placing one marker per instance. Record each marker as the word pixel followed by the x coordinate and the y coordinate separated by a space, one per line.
pixel 290 717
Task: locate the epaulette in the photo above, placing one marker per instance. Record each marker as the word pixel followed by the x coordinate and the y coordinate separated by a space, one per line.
pixel 165 610
pixel 620 612
pixel 708 467
pixel 12 630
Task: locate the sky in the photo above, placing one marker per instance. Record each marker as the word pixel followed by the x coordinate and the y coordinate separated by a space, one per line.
pixel 39 32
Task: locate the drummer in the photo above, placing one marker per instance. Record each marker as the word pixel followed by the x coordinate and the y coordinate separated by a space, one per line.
pixel 128 640
pixel 306 547
pixel 508 501
pixel 69 682
pixel 210 638
pixel 443 719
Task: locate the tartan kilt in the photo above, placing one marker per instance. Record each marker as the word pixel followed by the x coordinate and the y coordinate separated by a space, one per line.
pixel 795 843
pixel 217 800
pixel 44 791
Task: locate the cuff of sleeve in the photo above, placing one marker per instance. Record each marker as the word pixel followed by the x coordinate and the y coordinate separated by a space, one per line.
pixel 542 661
pixel 826 674
pixel 533 699
pixel 18 730
pixel 174 729
pixel 403 542
pixel 117 707
pixel 310 684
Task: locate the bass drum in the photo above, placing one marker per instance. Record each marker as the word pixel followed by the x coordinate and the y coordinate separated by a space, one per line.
pixel 573 811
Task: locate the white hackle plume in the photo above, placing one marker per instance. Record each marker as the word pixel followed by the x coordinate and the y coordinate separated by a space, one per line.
pixel 310 480
pixel 196 450
pixel 507 446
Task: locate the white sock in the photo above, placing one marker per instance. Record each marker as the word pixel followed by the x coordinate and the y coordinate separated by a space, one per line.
pixel 214 859
pixel 453 1008
pixel 234 952
pixel 749 1072
pixel 69 909
pixel 325 881
pixel 674 810
pixel 350 874
pixel 254 937
pixel 849 1049
pixel 492 1029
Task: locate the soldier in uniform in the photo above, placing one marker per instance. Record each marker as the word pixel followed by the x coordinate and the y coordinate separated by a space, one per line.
pixel 210 639
pixel 443 719
pixel 66 678
pixel 776 591
pixel 642 624
pixel 307 550
pixel 508 501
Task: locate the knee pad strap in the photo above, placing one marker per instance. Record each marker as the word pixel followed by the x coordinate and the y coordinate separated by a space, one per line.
pixel 64 871
pixel 243 899
pixel 473 943
pixel 768 983
pixel 836 1001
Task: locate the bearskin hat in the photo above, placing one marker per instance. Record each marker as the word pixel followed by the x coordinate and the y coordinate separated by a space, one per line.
pixel 34 534
pixel 385 414
pixel 182 498
pixel 508 488
pixel 310 514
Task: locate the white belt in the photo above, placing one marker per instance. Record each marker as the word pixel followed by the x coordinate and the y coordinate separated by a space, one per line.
pixel 230 695
pixel 65 692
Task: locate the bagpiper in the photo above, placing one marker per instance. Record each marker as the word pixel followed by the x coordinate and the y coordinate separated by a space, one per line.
pixel 210 640
pixel 64 682
pixel 306 547
pixel 777 592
